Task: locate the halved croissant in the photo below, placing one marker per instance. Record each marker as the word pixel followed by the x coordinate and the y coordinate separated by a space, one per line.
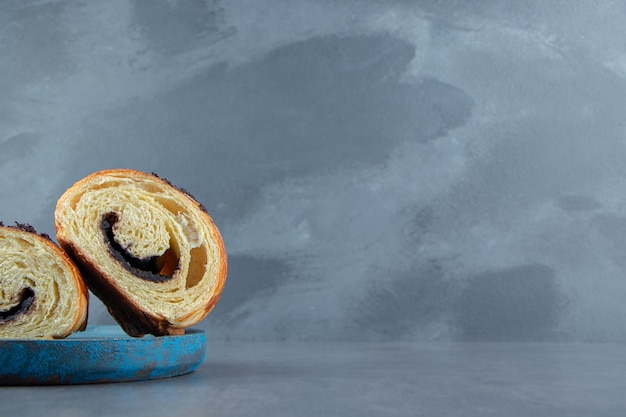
pixel 42 294
pixel 147 249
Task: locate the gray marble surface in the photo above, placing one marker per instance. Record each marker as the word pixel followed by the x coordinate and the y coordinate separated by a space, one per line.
pixel 352 379
pixel 397 170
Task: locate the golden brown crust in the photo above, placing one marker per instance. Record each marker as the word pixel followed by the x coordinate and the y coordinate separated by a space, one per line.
pixel 196 283
pixel 60 296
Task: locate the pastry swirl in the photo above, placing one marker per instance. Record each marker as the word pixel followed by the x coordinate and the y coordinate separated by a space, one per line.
pixel 42 294
pixel 147 249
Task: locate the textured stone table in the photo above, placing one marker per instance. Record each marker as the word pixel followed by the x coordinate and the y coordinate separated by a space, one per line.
pixel 321 379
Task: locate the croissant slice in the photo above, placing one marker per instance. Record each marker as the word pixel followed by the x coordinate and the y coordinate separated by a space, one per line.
pixel 42 294
pixel 147 249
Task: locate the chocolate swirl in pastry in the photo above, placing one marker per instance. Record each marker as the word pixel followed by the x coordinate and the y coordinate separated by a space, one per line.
pixel 42 294
pixel 147 249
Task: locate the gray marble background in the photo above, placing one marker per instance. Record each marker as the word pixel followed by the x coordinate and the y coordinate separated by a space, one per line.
pixel 380 170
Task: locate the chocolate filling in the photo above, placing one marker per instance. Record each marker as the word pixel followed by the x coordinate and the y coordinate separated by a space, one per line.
pixel 27 298
pixel 148 269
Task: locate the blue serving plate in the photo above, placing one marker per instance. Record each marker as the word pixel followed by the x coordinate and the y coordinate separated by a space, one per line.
pixel 102 353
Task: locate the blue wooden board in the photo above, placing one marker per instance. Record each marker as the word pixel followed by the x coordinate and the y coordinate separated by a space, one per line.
pixel 99 354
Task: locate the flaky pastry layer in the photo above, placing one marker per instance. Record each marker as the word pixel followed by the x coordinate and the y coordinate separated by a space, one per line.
pixel 147 249
pixel 42 294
